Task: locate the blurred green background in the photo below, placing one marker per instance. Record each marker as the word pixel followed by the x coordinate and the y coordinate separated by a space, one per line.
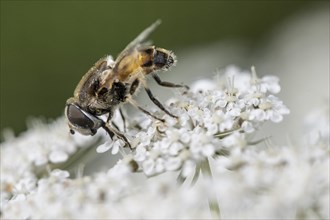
pixel 47 46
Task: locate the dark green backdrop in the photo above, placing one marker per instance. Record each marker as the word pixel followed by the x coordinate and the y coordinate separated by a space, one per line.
pixel 46 46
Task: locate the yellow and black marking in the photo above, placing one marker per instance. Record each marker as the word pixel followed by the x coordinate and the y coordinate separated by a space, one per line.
pixel 143 61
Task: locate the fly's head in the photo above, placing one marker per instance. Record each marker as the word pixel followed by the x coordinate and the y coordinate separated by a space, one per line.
pixel 81 120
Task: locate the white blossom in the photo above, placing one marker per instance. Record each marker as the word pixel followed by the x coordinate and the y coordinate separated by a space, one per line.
pixel 210 120
pixel 210 138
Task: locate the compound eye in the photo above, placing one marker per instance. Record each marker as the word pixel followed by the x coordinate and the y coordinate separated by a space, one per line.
pixel 77 118
pixel 160 59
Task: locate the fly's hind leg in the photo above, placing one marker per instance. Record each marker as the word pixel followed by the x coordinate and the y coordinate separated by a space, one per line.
pixel 167 84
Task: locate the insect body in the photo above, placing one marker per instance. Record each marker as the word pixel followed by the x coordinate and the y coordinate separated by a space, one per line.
pixel 108 84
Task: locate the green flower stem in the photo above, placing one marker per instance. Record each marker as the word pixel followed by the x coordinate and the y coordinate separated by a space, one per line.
pixel 75 160
pixel 212 199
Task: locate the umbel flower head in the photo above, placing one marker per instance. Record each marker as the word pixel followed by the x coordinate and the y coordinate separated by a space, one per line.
pixel 216 120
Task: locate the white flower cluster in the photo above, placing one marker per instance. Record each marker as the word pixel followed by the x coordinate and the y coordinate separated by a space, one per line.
pixel 41 147
pixel 213 127
pixel 116 194
pixel 213 118
pixel 316 126
pixel 289 182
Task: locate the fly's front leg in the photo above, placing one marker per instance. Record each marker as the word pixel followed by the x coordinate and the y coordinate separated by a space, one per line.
pixel 106 128
pixel 167 84
pixel 109 116
pixel 112 123
pixel 123 118
pixel 112 131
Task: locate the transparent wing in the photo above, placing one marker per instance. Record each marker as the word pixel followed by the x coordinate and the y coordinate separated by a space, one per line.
pixel 139 39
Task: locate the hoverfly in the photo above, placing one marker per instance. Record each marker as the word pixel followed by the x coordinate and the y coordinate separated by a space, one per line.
pixel 109 84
